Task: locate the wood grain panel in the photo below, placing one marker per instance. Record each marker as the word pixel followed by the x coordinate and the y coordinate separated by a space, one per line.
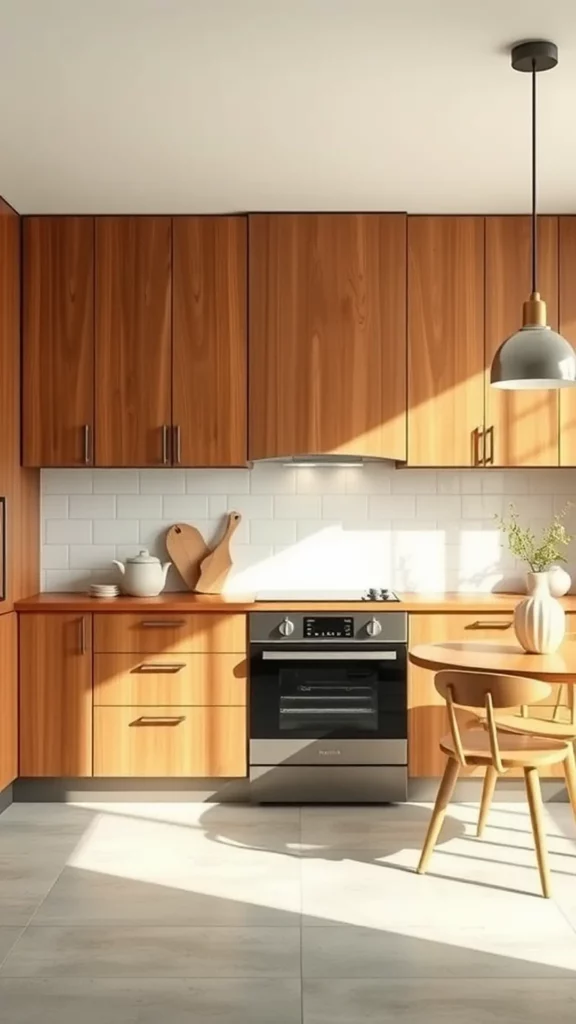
pixel 170 679
pixel 20 487
pixel 567 328
pixel 8 699
pixel 165 634
pixel 170 742
pixel 58 340
pixel 209 341
pixel 327 334
pixel 524 423
pixel 445 340
pixel 427 719
pixel 133 339
pixel 56 695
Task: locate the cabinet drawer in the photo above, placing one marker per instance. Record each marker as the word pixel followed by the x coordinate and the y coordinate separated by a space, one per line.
pixel 170 742
pixel 164 634
pixel 170 679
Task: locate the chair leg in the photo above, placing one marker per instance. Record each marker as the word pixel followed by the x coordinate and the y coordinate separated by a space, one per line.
pixel 438 814
pixel 490 780
pixel 535 804
pixel 570 773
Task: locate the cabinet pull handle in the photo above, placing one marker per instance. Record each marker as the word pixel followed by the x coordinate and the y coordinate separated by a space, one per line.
pixel 477 438
pixel 489 456
pixel 164 444
pixel 86 432
pixel 177 442
pixel 159 720
pixel 82 644
pixel 172 667
pixel 162 623
pixel 490 624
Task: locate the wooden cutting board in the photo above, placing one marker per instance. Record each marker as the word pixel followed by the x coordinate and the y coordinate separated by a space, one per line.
pixel 218 563
pixel 187 550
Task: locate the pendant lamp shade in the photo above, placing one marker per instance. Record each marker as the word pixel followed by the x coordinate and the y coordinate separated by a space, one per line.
pixel 535 357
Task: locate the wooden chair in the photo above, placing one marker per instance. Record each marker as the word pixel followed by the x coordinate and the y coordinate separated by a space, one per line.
pixel 497 750
pixel 560 726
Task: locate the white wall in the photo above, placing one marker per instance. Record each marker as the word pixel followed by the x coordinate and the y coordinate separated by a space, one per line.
pixel 419 530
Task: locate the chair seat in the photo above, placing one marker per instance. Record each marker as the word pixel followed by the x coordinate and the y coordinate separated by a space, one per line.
pixel 516 749
pixel 537 727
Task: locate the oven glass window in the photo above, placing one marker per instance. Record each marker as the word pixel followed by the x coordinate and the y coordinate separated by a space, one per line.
pixel 327 700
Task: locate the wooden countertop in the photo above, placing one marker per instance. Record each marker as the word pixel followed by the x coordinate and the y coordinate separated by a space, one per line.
pixel 185 602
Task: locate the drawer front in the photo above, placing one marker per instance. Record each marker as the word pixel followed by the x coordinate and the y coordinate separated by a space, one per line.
pixel 169 742
pixel 170 679
pixel 162 633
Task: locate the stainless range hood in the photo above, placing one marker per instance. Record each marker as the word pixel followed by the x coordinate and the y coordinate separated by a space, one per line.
pixel 324 461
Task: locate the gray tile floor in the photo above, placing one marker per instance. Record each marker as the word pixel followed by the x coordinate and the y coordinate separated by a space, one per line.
pixel 173 913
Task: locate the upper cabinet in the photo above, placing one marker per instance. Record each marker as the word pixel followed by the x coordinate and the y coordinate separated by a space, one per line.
pixel 445 340
pixel 327 335
pixel 209 341
pixel 133 341
pixel 58 341
pixel 567 328
pixel 521 426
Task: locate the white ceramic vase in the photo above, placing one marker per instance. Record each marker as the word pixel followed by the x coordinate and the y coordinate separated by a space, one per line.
pixel 559 581
pixel 539 619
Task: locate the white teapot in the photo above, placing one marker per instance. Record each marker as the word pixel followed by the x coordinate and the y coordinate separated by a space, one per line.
pixel 144 576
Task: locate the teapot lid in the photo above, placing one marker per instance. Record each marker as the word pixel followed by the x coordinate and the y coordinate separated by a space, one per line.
pixel 144 557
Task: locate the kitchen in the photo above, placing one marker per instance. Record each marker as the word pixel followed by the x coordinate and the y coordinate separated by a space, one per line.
pixel 230 752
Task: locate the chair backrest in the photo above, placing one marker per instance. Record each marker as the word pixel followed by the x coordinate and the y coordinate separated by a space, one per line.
pixel 486 690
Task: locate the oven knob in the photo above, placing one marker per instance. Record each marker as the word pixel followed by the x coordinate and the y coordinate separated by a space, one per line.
pixel 373 628
pixel 286 628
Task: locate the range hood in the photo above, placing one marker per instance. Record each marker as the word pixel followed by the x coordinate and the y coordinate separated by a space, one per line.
pixel 321 460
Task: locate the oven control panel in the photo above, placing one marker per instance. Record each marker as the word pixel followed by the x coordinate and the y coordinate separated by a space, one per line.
pixel 328 627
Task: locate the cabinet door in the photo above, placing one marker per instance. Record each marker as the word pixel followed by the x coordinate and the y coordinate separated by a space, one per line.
pixel 445 340
pixel 133 343
pixel 567 328
pixel 209 382
pixel 55 695
pixel 8 699
pixel 521 426
pixel 327 334
pixel 58 341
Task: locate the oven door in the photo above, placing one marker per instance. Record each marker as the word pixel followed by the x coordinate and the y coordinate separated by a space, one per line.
pixel 330 693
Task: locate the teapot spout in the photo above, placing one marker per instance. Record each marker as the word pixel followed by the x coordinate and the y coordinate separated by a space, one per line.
pixel 165 568
pixel 120 565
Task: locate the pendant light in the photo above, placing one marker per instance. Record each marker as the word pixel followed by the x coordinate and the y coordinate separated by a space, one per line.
pixel 535 357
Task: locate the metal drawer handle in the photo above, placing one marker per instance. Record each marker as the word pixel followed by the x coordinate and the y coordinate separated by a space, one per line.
pixel 159 720
pixel 87 445
pixel 162 623
pixel 329 656
pixel 177 444
pixel 172 667
pixel 489 624
pixel 82 644
pixel 165 458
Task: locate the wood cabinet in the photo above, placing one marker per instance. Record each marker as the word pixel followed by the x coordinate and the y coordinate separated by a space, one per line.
pixel 567 328
pixel 445 340
pixel 8 699
pixel 56 695
pixel 170 679
pixel 209 383
pixel 133 341
pixel 170 634
pixel 58 341
pixel 327 362
pixel 521 426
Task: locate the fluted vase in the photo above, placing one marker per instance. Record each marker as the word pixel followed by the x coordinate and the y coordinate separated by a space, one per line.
pixel 539 619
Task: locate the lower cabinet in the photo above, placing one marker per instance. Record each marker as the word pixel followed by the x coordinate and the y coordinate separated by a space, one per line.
pixel 427 720
pixel 55 695
pixel 8 699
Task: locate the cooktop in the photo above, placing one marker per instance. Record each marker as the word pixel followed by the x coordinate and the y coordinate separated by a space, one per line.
pixel 373 594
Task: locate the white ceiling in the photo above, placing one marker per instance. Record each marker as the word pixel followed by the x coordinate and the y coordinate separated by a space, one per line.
pixel 222 105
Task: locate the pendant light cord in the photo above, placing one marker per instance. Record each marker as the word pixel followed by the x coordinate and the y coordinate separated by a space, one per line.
pixel 534 231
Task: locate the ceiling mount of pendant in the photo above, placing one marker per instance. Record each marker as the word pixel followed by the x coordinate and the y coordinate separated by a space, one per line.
pixel 534 55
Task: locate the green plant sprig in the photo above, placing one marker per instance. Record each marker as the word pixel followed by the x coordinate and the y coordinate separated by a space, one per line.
pixel 539 553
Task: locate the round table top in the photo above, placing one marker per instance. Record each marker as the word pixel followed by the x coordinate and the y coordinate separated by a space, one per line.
pixel 510 659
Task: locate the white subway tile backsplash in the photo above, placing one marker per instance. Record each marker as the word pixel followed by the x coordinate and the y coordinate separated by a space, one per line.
pixel 139 506
pixel 68 531
pixel 92 506
pixel 316 527
pixel 115 531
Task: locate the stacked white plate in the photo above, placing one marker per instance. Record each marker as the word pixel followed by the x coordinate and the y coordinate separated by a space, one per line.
pixel 104 590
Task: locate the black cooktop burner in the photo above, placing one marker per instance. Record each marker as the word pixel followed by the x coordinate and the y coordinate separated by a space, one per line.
pixel 380 595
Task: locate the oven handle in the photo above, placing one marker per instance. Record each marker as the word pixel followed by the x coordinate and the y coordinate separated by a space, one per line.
pixel 329 655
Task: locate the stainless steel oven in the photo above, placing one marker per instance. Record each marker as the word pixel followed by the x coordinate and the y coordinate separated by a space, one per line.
pixel 328 715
